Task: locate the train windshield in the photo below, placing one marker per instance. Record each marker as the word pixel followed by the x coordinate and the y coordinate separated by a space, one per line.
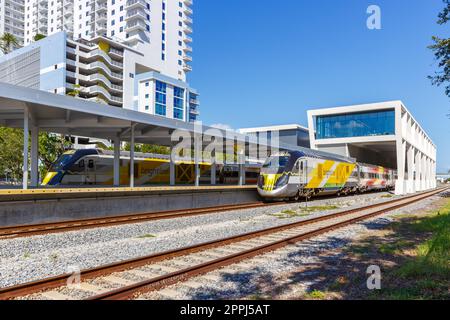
pixel 276 162
pixel 62 162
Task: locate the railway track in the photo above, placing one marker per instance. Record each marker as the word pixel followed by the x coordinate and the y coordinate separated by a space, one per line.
pixel 55 227
pixel 127 279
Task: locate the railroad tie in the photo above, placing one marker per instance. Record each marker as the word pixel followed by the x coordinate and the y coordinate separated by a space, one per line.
pixel 117 280
pixel 55 295
pixel 192 284
pixel 168 293
pixel 144 274
pixel 91 288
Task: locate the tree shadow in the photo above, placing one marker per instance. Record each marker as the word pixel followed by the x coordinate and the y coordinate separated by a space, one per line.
pixel 320 265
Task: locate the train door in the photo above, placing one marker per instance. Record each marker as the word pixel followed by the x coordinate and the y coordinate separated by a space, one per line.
pixel 90 171
pixel 302 171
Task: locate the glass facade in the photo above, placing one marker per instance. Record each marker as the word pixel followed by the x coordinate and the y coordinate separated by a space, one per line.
pixel 362 124
pixel 160 98
pixel 178 103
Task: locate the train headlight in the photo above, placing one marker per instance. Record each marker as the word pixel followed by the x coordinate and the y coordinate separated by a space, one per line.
pixel 282 181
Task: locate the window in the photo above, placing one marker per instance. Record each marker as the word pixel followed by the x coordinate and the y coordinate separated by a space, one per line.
pixel 160 98
pixel 178 103
pixel 147 108
pixel 374 123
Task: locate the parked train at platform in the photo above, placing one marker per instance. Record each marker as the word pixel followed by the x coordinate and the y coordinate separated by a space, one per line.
pixel 95 167
pixel 305 173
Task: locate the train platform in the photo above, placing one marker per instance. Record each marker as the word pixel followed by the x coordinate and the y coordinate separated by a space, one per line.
pixel 43 205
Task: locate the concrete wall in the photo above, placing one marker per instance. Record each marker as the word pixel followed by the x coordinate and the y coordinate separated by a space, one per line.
pixel 72 207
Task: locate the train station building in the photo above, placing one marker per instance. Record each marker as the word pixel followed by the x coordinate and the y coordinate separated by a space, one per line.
pixel 384 134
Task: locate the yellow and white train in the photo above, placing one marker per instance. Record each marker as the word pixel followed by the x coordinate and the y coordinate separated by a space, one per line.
pixel 304 173
pixel 95 167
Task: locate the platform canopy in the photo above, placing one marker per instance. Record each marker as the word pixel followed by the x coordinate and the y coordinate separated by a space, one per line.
pixel 38 110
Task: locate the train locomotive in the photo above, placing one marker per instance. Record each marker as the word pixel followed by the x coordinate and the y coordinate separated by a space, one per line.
pixel 95 167
pixel 306 173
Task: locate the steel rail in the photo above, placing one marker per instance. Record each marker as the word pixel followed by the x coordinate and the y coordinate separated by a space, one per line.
pixel 69 225
pixel 61 280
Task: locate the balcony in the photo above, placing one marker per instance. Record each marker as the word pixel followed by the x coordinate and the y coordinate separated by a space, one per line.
pixel 188 2
pixel 187 39
pixel 136 4
pixel 187 68
pixel 188 20
pixel 187 48
pixel 136 25
pixel 187 58
pixel 102 17
pixel 188 10
pixel 136 14
pixel 194 101
pixel 101 7
pixel 187 29
pixel 116 52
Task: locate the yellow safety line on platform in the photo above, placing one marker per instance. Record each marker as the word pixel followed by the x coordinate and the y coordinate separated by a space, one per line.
pixel 125 189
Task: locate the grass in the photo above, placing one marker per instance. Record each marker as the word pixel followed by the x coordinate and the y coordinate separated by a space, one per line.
pixel 147 236
pixel 315 294
pixel 426 275
pixel 26 255
pixel 302 211
pixel 387 196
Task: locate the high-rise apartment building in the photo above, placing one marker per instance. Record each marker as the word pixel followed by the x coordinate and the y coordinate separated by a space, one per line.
pixel 12 18
pixel 108 50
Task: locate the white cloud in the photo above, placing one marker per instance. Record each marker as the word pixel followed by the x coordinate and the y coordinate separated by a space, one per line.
pixel 222 126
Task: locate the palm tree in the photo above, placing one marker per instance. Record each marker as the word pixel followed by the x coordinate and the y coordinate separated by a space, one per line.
pixel 7 42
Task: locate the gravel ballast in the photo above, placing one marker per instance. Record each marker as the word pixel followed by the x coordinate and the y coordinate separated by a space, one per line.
pixel 274 270
pixel 32 258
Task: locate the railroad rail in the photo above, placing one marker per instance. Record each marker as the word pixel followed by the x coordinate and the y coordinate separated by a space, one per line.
pixel 69 225
pixel 159 270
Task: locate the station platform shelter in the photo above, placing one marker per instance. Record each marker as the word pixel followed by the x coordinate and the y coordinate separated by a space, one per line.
pixel 384 134
pixel 35 111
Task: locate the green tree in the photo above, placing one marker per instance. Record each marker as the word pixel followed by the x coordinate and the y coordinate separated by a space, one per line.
pixel 51 146
pixel 11 151
pixel 7 42
pixel 38 37
pixel 441 49
pixel 148 148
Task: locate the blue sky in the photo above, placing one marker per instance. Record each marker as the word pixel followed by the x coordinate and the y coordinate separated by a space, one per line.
pixel 261 62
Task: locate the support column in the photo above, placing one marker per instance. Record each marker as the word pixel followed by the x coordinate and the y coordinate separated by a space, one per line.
pixel 196 158
pixel 213 166
pixel 132 157
pixel 172 168
pixel 34 156
pixel 117 162
pixel 410 182
pixel 26 135
pixel 400 183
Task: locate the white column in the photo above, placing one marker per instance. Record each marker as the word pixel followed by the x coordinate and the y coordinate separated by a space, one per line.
pixel 241 166
pixel 401 152
pixel 132 157
pixel 196 158
pixel 418 173
pixel 410 182
pixel 26 135
pixel 116 162
pixel 213 168
pixel 34 156
pixel 172 168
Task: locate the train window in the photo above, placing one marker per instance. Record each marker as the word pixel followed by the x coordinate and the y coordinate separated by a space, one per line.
pixel 81 164
pixel 91 164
